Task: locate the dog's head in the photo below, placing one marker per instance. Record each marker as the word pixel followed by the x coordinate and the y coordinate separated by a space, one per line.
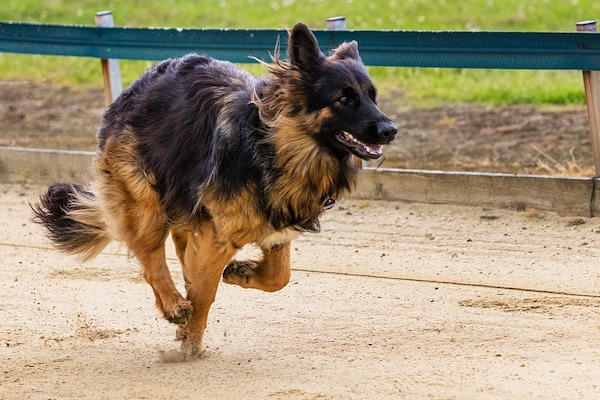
pixel 338 97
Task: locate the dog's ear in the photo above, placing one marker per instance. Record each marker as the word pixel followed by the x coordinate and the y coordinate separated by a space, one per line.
pixel 347 50
pixel 303 49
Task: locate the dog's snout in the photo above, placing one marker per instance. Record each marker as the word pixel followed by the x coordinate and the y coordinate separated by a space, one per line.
pixel 387 130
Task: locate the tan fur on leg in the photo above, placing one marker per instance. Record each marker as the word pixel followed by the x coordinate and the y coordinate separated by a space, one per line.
pixel 134 214
pixel 203 261
pixel 270 274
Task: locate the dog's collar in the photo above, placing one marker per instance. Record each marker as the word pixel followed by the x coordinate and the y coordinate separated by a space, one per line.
pixel 329 204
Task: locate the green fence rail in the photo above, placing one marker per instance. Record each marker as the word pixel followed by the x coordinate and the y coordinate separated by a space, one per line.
pixel 494 50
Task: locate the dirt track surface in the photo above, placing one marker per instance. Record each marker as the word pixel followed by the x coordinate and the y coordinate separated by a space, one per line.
pixel 391 300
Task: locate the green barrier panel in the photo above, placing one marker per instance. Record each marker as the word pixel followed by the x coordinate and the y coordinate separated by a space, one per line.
pixel 497 50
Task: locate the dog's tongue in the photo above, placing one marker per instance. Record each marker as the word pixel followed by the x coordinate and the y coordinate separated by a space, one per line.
pixel 349 140
pixel 374 148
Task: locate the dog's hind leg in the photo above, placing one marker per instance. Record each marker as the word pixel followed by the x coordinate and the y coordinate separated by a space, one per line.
pixel 134 214
pixel 147 242
pixel 203 260
pixel 145 234
pixel 270 274
pixel 168 299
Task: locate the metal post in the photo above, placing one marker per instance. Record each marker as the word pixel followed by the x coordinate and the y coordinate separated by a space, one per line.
pixel 336 24
pixel 591 82
pixel 111 73
pixel 339 24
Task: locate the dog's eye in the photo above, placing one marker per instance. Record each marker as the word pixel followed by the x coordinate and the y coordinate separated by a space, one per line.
pixel 346 97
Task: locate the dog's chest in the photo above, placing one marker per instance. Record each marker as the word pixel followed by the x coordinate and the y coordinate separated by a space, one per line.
pixel 278 238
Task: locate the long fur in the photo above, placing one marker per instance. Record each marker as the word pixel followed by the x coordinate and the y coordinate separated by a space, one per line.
pixel 201 149
pixel 74 223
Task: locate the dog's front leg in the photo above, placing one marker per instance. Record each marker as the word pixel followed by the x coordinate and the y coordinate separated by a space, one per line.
pixel 270 274
pixel 203 263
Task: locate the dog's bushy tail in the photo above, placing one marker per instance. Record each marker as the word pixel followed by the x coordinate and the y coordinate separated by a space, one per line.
pixel 73 219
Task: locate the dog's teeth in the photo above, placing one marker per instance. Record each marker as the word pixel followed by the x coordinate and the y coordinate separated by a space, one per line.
pixel 372 149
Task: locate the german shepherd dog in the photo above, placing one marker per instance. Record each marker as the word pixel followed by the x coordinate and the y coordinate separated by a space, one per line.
pixel 204 151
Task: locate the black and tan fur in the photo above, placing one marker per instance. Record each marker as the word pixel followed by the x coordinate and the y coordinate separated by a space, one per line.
pixel 202 150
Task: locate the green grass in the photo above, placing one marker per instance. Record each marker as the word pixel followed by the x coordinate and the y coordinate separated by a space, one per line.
pixel 417 86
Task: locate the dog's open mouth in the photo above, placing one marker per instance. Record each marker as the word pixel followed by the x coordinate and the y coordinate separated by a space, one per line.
pixel 358 148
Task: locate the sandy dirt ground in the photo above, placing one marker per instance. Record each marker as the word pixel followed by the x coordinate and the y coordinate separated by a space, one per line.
pixel 391 300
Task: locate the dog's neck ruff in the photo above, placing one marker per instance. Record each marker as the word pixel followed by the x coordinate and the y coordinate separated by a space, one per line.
pixel 329 204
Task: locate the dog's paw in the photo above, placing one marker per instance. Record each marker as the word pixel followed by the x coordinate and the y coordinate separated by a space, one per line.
pixel 180 313
pixel 239 272
pixel 191 344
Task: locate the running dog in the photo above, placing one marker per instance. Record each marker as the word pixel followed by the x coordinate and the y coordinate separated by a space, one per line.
pixel 202 150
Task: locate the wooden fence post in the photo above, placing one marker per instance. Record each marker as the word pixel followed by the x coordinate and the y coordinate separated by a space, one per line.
pixel 339 24
pixel 111 73
pixel 591 82
pixel 336 23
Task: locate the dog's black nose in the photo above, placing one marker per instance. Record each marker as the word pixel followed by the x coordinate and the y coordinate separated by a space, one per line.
pixel 387 130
